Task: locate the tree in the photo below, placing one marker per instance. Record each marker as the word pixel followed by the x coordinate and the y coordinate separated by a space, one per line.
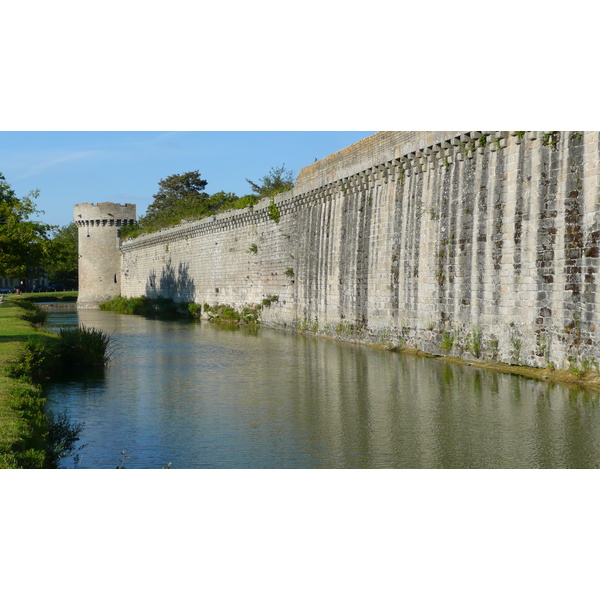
pixel 21 239
pixel 276 181
pixel 61 261
pixel 221 200
pixel 178 197
pixel 182 197
pixel 247 200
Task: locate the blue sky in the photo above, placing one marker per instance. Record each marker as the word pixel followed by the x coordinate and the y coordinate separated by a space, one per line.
pixel 74 166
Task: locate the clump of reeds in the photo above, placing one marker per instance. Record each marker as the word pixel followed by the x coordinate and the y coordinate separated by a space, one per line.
pixel 83 347
pixel 74 348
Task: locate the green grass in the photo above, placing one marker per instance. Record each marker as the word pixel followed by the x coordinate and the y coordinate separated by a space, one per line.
pixel 82 347
pixel 274 212
pixel 45 296
pixel 29 437
pixel 23 424
pixel 167 308
pixel 152 307
pixel 33 313
pixel 248 315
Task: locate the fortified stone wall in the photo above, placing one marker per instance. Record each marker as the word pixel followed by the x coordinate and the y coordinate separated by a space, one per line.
pixel 482 244
pixel 99 250
pixel 236 258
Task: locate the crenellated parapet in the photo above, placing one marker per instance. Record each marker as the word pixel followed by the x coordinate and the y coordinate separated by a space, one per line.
pixel 104 214
pixel 99 228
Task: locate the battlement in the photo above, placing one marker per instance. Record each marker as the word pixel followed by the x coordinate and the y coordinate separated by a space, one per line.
pixel 104 214
pixel 377 149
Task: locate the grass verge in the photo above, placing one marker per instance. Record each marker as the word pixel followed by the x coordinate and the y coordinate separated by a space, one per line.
pixel 29 356
pixel 24 426
pixel 44 296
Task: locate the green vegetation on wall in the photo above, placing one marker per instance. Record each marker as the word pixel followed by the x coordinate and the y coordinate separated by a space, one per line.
pixel 182 198
pixel 165 307
pixel 277 181
pixel 274 213
pixel 152 307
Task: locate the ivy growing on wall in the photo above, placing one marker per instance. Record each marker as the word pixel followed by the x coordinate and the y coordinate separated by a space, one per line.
pixel 274 212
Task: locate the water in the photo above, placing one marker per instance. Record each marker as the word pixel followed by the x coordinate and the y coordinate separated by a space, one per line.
pixel 198 395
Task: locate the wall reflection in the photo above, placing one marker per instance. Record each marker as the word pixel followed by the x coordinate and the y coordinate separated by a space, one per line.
pixel 202 396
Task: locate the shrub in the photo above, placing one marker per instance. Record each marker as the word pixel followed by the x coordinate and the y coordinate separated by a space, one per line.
pixel 274 212
pixel 516 343
pixel 33 314
pixel 579 371
pixel 29 451
pixel 152 307
pixel 118 304
pixel 266 302
pixel 73 347
pixel 224 313
pixel 474 342
pixel 194 310
pixel 36 362
pixel 62 438
pixel 83 347
pixel 46 439
pixel 447 342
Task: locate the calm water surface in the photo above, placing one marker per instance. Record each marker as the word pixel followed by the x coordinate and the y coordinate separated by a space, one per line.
pixel 198 395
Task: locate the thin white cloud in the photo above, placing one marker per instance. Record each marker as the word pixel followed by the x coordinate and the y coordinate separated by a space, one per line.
pixel 161 142
pixel 43 165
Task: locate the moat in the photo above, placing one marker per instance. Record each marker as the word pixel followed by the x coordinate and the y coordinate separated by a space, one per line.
pixel 203 396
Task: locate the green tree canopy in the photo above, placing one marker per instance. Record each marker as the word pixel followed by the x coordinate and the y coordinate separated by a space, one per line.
pixel 61 260
pixel 221 200
pixel 182 197
pixel 178 197
pixel 22 240
pixel 276 181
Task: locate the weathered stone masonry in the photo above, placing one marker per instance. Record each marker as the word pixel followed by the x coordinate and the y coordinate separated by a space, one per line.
pixel 98 228
pixel 467 243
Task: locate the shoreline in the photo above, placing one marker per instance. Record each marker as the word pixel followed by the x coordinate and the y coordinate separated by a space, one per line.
pixel 590 380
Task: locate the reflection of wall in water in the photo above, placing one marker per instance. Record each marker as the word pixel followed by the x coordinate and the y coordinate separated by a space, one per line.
pixel 309 401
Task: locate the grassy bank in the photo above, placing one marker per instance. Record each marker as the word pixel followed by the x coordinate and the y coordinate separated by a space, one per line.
pixel 45 296
pixel 24 427
pixel 30 356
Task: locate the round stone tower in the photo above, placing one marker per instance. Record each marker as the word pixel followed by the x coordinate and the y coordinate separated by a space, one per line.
pixel 99 250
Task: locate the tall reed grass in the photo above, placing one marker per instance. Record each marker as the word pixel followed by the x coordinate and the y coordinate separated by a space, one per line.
pixel 83 347
pixel 73 348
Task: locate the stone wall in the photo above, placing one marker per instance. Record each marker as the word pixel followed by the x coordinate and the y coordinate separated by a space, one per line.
pixel 99 250
pixel 481 244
